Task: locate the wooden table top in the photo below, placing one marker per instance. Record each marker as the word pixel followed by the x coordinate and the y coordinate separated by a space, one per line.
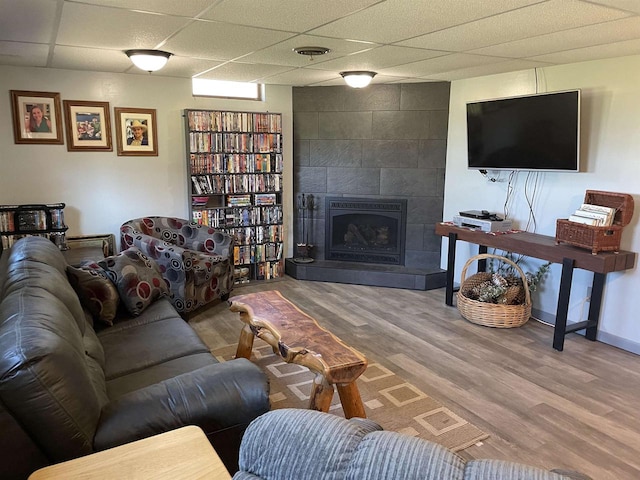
pixel 543 247
pixel 299 336
pixel 184 453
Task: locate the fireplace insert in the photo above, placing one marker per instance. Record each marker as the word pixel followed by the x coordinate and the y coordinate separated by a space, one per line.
pixel 365 230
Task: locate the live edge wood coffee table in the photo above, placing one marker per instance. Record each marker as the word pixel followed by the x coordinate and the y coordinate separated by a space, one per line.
pixel 298 338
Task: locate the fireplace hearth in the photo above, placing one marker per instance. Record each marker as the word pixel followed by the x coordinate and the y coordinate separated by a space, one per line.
pixel 365 230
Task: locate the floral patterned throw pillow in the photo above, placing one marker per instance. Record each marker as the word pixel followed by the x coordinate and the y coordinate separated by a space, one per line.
pixel 137 278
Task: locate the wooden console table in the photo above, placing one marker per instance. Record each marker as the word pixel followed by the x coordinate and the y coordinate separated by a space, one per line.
pixel 545 248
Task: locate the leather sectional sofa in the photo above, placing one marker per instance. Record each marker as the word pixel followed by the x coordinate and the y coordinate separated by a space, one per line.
pixel 68 389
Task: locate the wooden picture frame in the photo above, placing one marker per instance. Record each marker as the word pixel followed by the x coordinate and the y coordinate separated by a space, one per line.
pixel 136 131
pixel 88 126
pixel 29 108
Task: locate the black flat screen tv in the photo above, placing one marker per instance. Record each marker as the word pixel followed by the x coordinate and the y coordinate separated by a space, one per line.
pixel 531 132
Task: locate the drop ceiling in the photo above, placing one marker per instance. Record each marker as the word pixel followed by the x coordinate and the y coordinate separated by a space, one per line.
pixel 253 40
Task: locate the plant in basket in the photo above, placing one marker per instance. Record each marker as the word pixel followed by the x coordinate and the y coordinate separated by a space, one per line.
pixel 503 284
pixel 497 298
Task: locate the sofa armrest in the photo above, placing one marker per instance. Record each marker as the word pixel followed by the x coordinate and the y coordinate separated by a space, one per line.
pixel 215 397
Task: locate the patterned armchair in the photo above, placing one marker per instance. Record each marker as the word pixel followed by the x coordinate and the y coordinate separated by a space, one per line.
pixel 195 260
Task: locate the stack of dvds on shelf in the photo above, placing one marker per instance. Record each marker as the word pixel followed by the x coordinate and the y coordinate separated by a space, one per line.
pixel 43 220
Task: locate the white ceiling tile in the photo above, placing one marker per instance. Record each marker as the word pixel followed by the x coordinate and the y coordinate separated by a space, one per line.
pixel 482 70
pixel 615 31
pixel 626 5
pixel 395 20
pixel 243 72
pixel 24 54
pixel 102 27
pixel 293 16
pixel 551 16
pixel 220 41
pixel 412 80
pixel 301 77
pixel 283 54
pixel 189 8
pixel 445 63
pixel 620 49
pixel 381 57
pixel 79 58
pixel 29 21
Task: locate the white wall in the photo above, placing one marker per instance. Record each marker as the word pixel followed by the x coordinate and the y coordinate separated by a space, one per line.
pixel 101 189
pixel 610 157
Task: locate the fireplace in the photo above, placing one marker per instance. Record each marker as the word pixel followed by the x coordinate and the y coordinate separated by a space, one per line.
pixel 365 230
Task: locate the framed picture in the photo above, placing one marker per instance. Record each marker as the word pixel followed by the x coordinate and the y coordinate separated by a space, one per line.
pixel 136 131
pixel 88 126
pixel 36 117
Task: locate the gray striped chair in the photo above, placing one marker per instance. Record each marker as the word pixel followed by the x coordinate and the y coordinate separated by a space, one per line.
pixel 288 444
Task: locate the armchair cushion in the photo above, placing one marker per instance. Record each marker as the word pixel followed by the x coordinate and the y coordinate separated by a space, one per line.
pixel 137 278
pixel 203 265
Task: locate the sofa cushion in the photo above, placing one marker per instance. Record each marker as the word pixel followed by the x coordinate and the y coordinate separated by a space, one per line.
pixel 157 336
pixel 32 263
pixel 137 278
pixel 123 384
pixel 96 292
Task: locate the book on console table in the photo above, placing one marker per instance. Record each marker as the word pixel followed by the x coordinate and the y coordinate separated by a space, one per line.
pixel 596 215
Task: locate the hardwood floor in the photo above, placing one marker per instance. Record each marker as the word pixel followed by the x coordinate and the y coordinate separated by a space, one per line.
pixel 576 409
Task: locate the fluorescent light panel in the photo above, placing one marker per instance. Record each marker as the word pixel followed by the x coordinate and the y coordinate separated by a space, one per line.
pixel 218 88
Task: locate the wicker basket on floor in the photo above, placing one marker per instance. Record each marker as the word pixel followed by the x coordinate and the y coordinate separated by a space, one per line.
pixel 493 314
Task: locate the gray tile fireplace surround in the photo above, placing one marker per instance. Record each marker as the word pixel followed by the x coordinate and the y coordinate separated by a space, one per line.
pixel 383 141
pixel 394 276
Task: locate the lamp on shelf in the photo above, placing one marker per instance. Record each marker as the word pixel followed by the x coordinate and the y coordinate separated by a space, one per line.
pixel 358 78
pixel 148 60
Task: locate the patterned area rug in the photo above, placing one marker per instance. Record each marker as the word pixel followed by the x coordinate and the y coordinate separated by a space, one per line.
pixel 388 399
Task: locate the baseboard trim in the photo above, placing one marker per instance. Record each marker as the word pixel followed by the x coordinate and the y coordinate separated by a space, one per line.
pixel 604 337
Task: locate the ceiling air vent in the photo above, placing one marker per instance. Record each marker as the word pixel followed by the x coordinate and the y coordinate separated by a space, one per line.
pixel 312 51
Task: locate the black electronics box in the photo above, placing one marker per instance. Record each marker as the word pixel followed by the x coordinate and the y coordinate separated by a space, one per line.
pixel 481 214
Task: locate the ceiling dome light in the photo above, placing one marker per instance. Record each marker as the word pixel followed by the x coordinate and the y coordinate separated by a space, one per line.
pixel 358 79
pixel 148 60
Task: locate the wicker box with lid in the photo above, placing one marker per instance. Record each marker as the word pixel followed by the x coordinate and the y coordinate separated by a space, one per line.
pixel 598 239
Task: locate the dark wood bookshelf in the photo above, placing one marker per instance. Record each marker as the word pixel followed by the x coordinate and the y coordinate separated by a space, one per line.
pixel 235 166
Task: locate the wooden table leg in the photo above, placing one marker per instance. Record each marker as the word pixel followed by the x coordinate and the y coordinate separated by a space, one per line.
pixel 351 402
pixel 245 344
pixel 321 394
